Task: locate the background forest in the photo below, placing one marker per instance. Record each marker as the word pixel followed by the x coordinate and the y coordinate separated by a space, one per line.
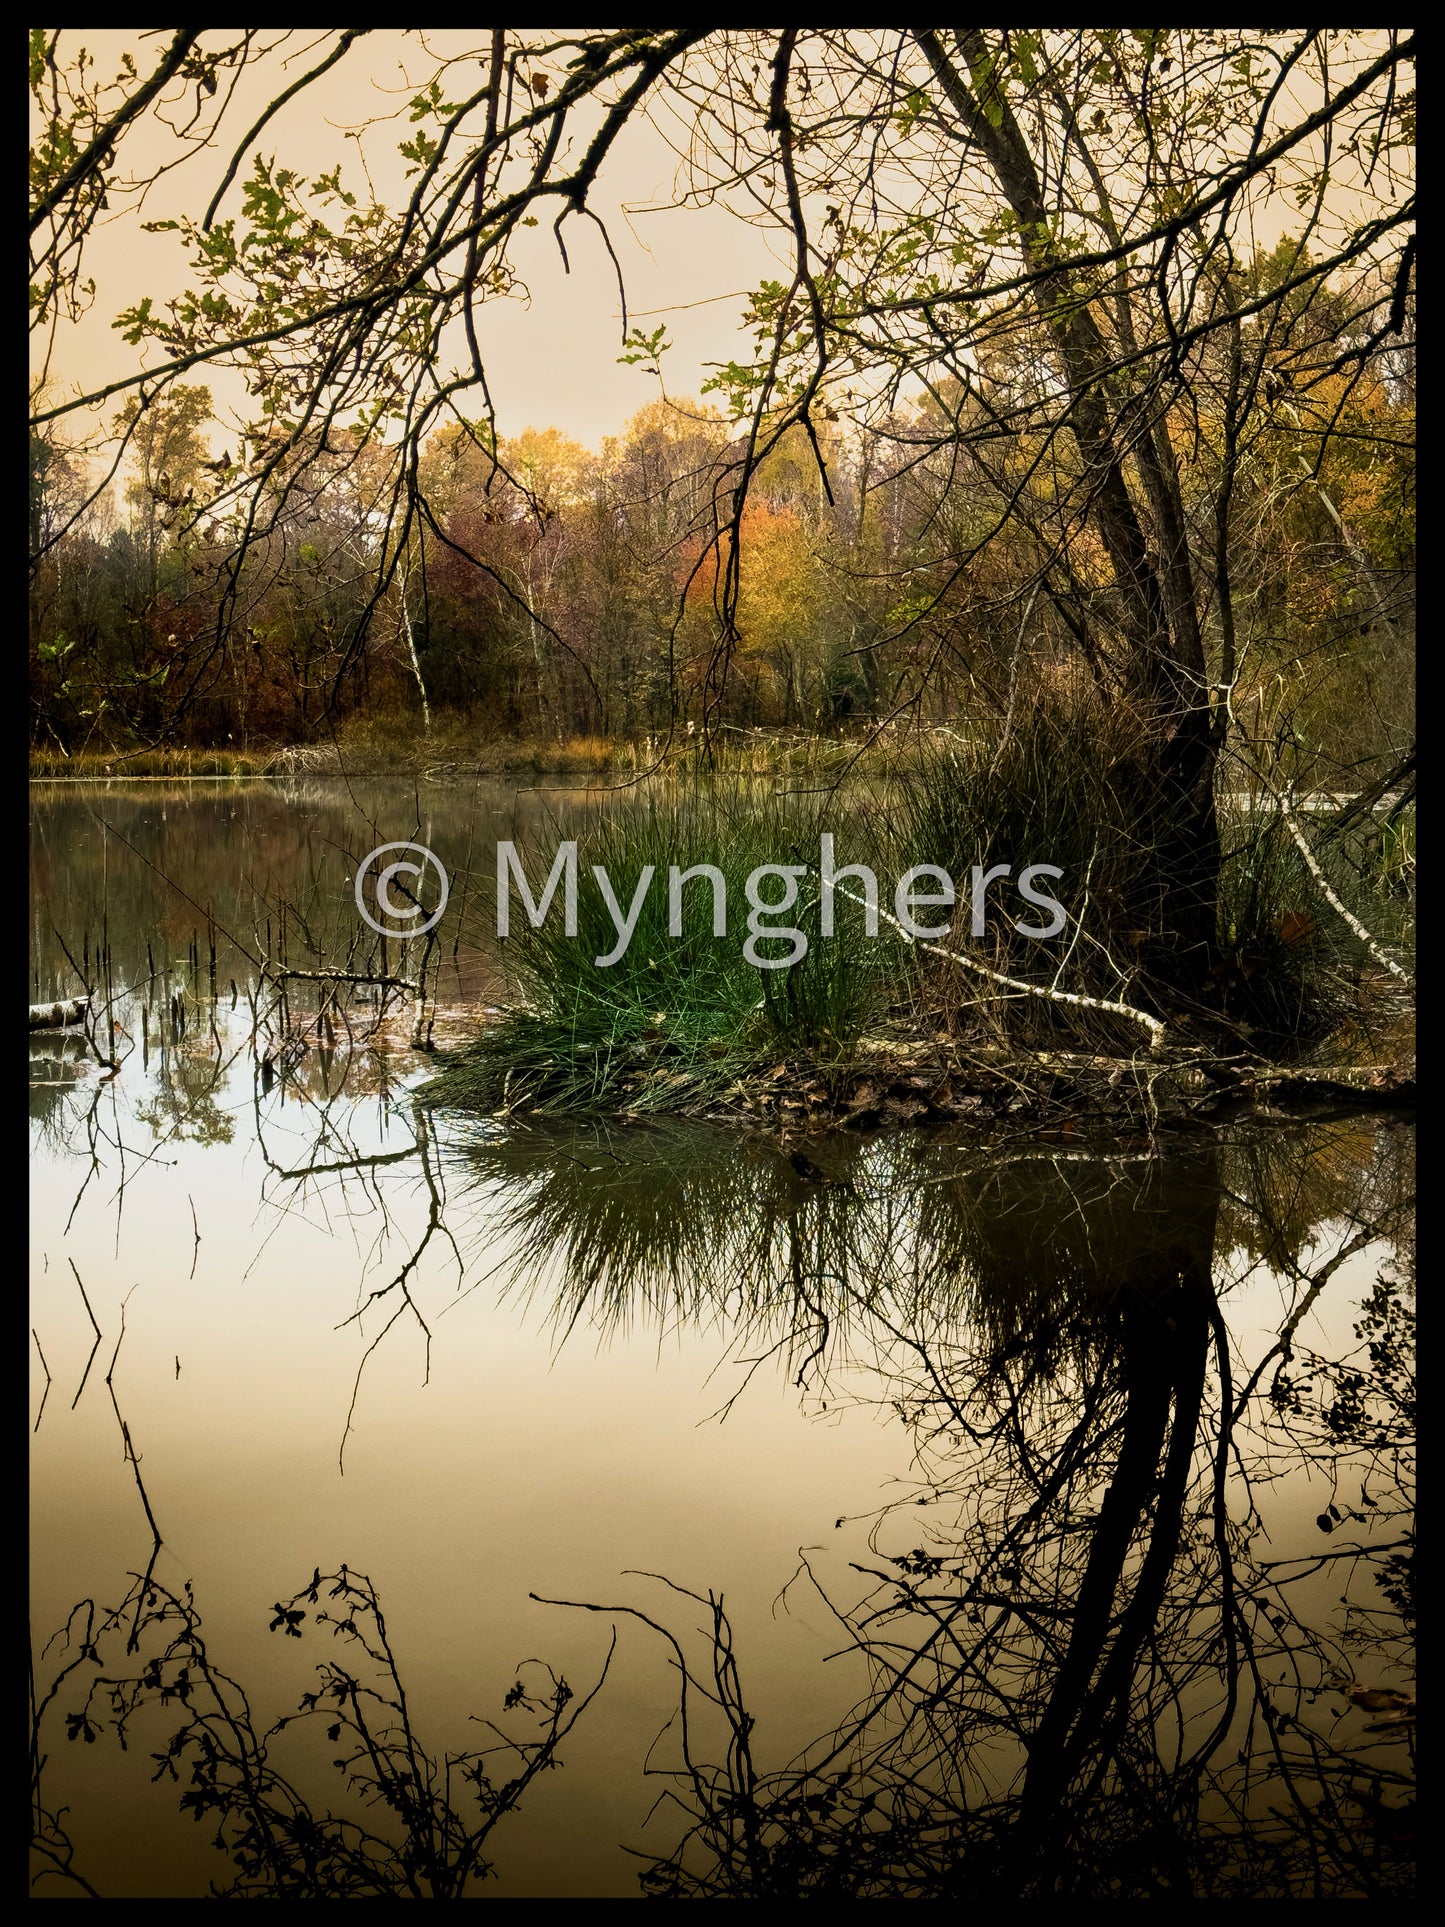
pixel 552 592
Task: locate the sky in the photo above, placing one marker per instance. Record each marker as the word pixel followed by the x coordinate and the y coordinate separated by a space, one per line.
pixel 553 360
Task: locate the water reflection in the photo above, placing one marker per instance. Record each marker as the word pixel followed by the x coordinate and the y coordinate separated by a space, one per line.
pixel 1134 1618
pixel 1089 1674
pixel 1096 1666
pixel 428 1820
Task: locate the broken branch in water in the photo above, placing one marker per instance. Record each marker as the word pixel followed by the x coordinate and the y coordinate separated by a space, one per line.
pixel 338 977
pixel 59 1015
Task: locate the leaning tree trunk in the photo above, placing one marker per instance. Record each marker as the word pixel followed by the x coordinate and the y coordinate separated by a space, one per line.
pixel 1165 667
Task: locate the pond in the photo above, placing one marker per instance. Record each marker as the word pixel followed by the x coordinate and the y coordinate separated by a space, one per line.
pixel 938 1513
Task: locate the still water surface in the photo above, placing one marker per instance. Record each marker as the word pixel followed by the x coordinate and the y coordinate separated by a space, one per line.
pixel 1056 1496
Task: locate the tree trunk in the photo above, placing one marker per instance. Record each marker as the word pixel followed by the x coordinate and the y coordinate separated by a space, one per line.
pixel 1165 670
pixel 411 651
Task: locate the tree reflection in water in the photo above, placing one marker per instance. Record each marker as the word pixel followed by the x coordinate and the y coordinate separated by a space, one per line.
pixel 428 1821
pixel 1092 1670
pixel 1089 1674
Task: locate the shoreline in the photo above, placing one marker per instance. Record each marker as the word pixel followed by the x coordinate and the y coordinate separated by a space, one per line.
pixel 451 756
pixel 889 1083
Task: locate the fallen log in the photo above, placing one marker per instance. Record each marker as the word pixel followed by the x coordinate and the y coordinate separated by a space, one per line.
pixel 57 1016
pixel 1368 1085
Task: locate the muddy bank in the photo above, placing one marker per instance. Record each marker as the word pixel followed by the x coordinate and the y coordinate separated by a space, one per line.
pixel 887 1083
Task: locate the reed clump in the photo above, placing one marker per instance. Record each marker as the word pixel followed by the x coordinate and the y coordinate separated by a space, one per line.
pixel 1067 784
pixel 678 1018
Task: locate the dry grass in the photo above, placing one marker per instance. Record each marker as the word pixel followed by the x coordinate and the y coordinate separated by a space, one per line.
pixel 368 751
pixel 461 745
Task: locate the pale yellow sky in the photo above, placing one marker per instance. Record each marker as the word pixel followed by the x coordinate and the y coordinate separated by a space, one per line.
pixel 552 361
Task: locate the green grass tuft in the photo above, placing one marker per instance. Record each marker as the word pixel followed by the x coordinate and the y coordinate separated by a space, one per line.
pixel 678 1019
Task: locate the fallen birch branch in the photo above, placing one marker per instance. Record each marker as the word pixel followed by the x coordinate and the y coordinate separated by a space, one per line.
pixel 1312 862
pixel 1154 1025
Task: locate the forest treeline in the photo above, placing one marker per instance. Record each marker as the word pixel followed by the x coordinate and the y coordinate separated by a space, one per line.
pixel 925 567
